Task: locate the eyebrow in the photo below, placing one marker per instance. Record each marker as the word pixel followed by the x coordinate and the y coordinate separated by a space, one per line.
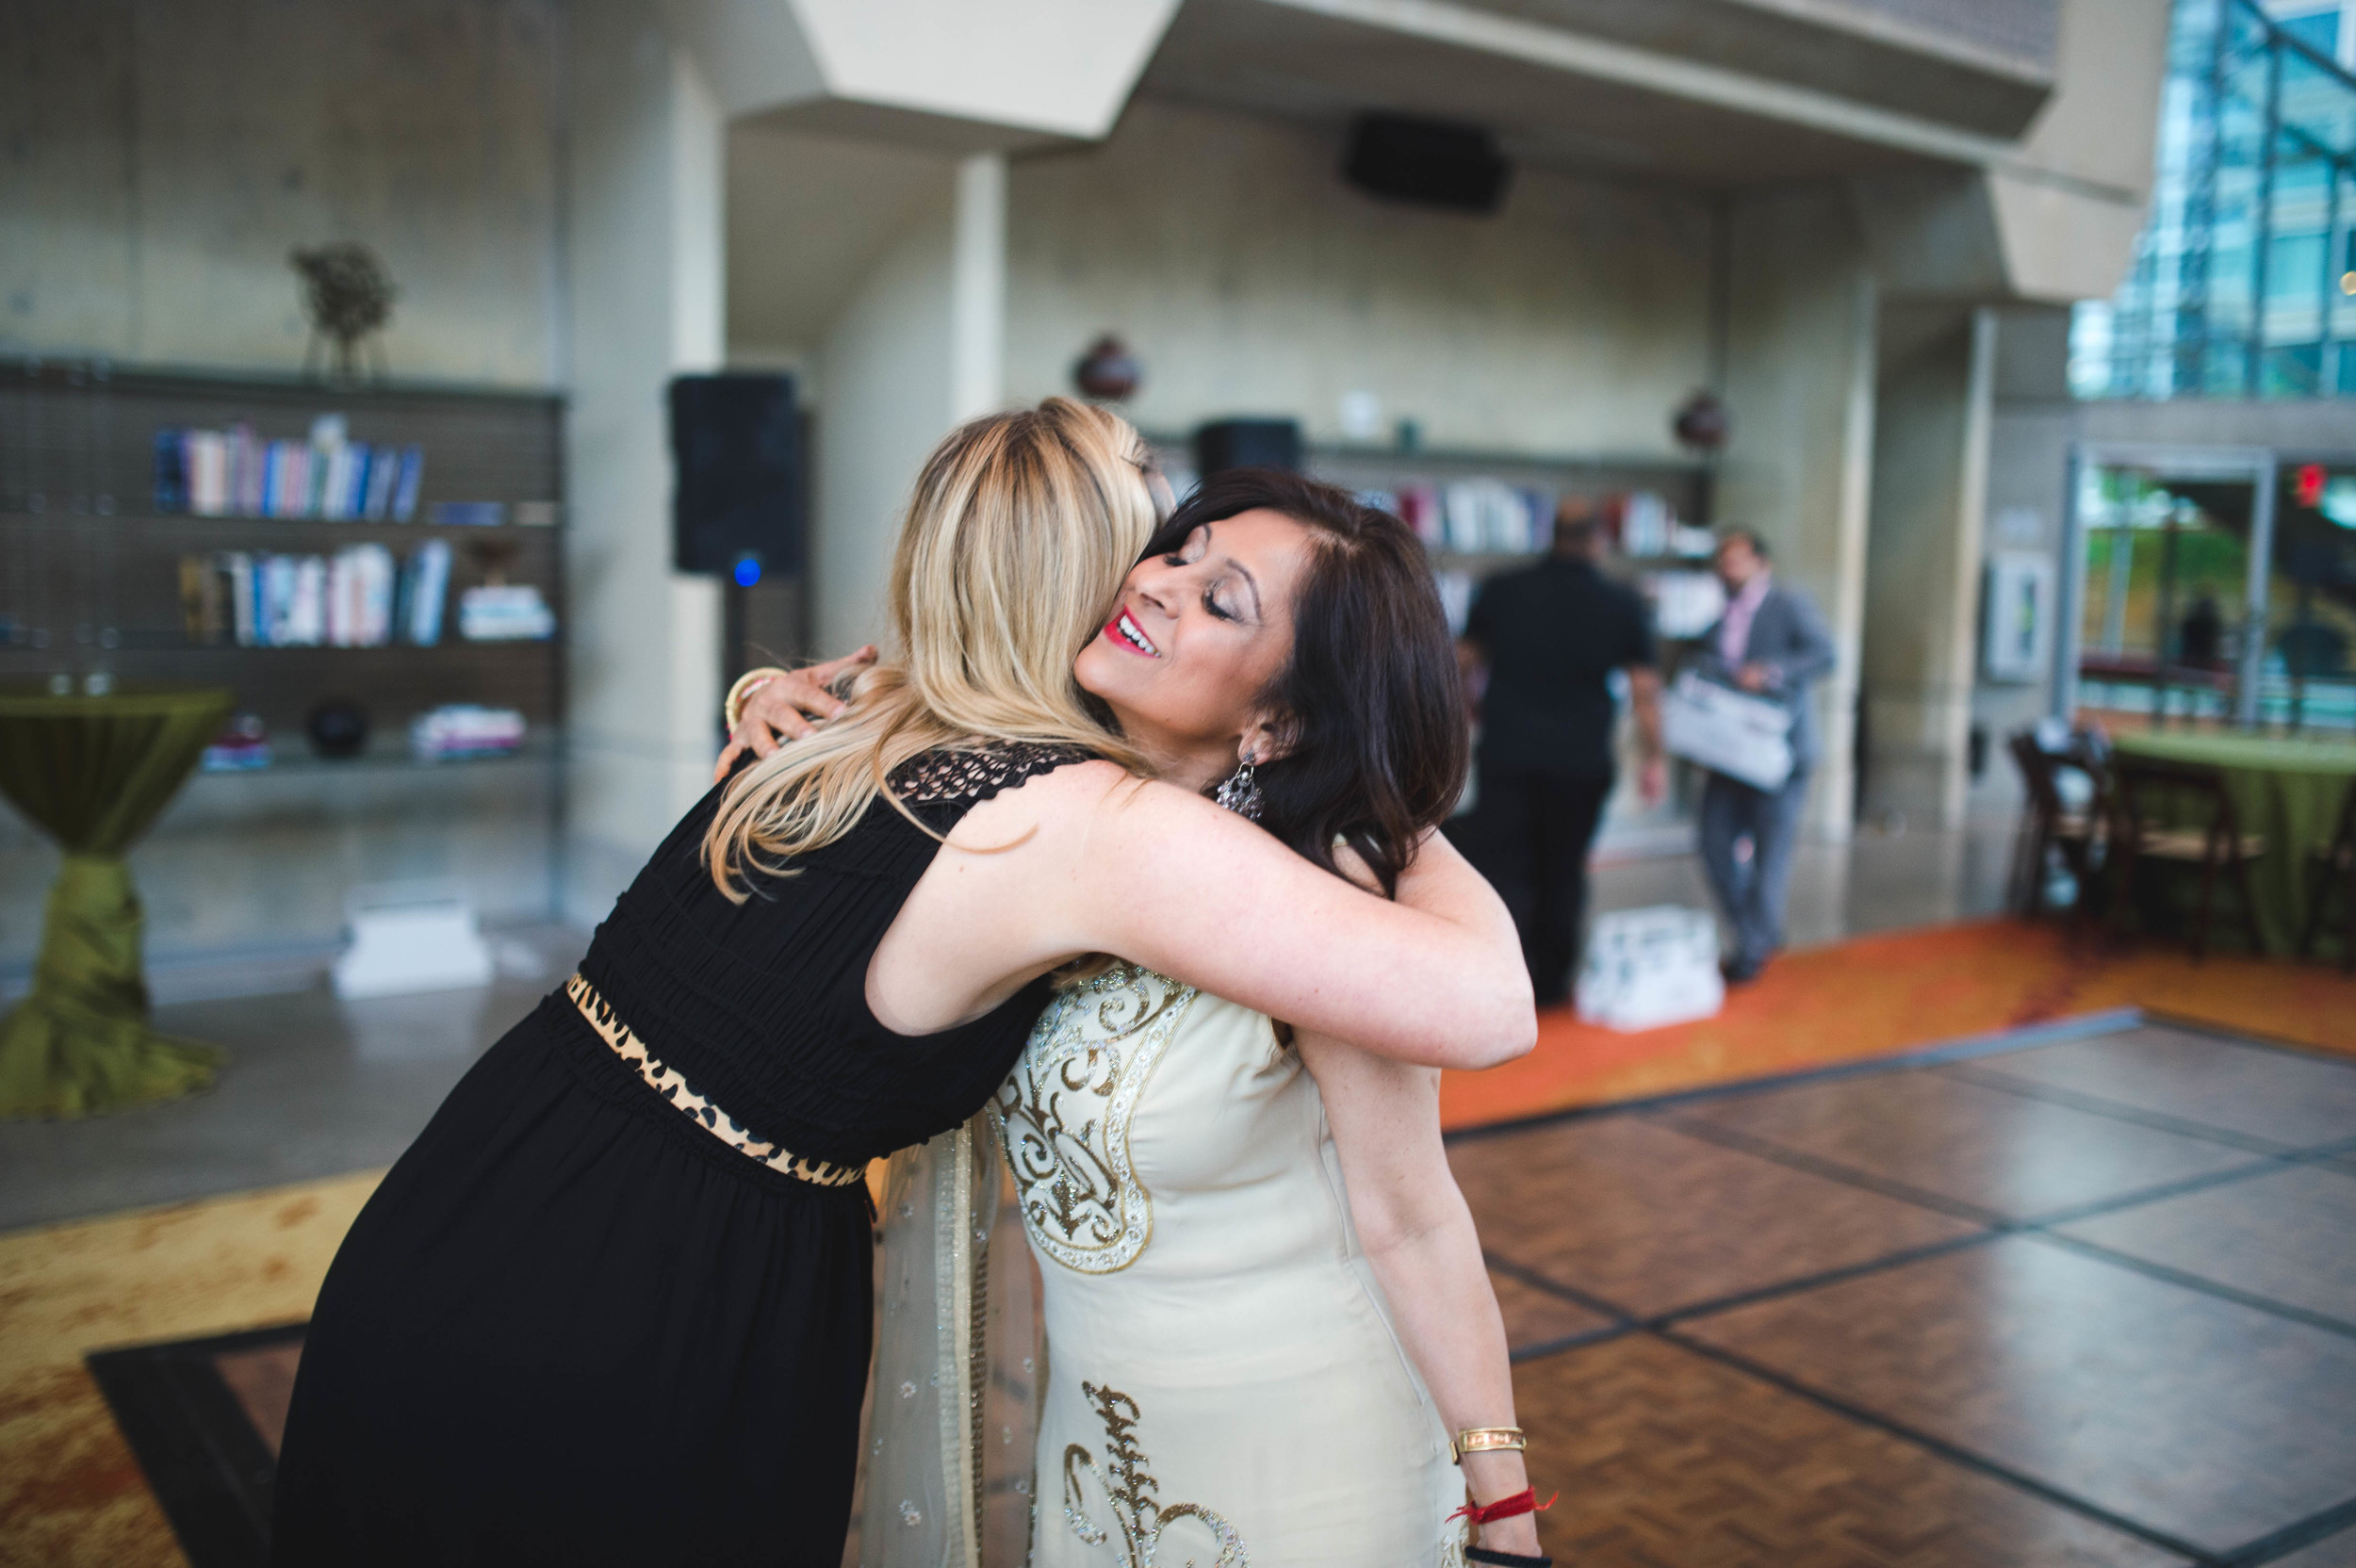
pixel 1259 612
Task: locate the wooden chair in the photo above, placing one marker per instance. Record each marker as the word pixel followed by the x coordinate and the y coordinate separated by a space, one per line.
pixel 2326 868
pixel 2047 824
pixel 2149 799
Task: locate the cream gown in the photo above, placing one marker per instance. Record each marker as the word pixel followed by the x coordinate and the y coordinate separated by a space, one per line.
pixel 1224 1386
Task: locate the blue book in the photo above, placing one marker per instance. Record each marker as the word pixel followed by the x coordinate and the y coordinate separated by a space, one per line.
pixel 356 491
pixel 406 488
pixel 424 586
pixel 171 471
pixel 384 474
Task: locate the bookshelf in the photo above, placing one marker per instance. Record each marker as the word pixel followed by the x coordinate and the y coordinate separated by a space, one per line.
pixel 1602 478
pixel 91 586
pixel 90 571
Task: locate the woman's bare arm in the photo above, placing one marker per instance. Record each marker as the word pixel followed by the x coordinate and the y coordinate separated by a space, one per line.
pixel 1418 1235
pixel 1088 859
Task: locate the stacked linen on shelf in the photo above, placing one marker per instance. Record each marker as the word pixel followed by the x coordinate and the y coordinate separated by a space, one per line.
pixel 461 729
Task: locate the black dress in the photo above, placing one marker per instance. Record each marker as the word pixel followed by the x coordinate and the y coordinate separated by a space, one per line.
pixel 574 1326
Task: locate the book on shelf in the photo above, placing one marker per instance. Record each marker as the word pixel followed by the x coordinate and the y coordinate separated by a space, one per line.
pixel 243 745
pixel 376 503
pixel 424 584
pixel 357 597
pixel 207 459
pixel 249 477
pixel 461 729
pixel 505 613
pixel 172 472
pixel 405 484
pixel 360 597
pixel 231 473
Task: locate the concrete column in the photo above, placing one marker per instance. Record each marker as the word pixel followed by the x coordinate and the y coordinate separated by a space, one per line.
pixel 646 303
pixel 1800 390
pixel 1934 403
pixel 920 347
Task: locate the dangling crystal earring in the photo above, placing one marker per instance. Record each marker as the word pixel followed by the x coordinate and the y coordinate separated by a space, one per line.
pixel 1239 791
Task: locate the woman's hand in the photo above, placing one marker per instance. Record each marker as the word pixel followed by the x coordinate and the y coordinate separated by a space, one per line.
pixel 786 706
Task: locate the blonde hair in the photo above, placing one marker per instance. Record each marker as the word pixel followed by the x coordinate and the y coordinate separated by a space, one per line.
pixel 1018 537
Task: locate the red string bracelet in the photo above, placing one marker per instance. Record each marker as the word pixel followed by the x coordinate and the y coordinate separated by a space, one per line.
pixel 1524 1501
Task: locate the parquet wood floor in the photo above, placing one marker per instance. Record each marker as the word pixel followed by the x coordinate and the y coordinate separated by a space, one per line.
pixel 2289 1236
pixel 1667 1460
pixel 2208 1420
pixel 1536 1317
pixel 2288 1098
pixel 2003 1154
pixel 1648 1218
pixel 1832 1363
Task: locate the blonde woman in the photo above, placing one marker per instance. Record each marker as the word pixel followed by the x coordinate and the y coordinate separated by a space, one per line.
pixel 613 1306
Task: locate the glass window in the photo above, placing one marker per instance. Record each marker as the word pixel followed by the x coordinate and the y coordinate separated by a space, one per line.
pixel 2244 280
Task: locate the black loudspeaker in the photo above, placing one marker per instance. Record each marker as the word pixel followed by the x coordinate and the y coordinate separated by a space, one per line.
pixel 1430 162
pixel 739 505
pixel 1248 443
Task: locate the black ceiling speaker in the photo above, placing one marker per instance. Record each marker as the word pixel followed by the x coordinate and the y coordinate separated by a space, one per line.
pixel 1436 163
pixel 740 505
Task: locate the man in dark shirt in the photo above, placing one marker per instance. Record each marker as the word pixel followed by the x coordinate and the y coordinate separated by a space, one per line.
pixel 1549 637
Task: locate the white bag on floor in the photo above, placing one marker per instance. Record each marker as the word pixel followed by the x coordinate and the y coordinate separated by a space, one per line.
pixel 1648 967
pixel 1747 738
pixel 411 936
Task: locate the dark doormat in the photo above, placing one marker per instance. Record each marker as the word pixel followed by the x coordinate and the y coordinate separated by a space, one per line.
pixel 205 1416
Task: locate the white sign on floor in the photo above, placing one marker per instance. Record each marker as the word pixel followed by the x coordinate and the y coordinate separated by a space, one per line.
pixel 410 938
pixel 1649 967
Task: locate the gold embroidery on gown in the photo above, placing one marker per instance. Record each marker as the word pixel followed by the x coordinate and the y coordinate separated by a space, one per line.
pixel 1207 1303
pixel 1138 1516
pixel 1064 1116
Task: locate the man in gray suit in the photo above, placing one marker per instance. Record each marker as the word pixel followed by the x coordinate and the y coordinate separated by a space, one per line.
pixel 1770 643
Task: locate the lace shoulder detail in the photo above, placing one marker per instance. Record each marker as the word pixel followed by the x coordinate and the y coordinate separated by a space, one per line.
pixel 967 778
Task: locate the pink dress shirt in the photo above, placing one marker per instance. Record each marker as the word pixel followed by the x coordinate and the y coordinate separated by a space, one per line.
pixel 1734 631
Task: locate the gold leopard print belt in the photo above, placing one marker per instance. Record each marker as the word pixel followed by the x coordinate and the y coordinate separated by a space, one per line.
pixel 673 1088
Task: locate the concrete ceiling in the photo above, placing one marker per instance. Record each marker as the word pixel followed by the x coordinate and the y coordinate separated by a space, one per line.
pixel 1981 65
pixel 806 216
pixel 1547 76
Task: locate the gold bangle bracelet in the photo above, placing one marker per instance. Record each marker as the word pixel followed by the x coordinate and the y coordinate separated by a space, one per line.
pixel 746 684
pixel 1487 1440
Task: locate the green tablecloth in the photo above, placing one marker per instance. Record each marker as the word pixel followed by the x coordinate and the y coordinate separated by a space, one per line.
pixel 2289 792
pixel 92 771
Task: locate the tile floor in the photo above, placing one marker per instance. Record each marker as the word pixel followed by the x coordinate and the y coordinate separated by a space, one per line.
pixel 2090 1302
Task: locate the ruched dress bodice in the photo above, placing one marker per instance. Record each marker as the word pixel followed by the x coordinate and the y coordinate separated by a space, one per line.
pixel 762 1005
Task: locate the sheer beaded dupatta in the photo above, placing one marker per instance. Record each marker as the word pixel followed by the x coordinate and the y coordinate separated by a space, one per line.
pixel 945 1462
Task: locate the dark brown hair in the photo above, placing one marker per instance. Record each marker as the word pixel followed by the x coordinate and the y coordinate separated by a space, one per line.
pixel 1371 696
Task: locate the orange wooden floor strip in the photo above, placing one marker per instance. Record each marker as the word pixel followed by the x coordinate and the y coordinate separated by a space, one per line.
pixel 1876 995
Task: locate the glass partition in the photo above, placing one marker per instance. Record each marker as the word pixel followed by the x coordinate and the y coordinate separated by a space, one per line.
pixel 2307 679
pixel 2162 618
pixel 2244 280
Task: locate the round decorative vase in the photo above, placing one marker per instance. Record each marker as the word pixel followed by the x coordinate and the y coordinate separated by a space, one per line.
pixel 339 729
pixel 1108 371
pixel 1701 423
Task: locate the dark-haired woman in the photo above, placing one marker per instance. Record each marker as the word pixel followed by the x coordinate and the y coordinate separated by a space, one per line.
pixel 1267 1317
pixel 1267 1311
